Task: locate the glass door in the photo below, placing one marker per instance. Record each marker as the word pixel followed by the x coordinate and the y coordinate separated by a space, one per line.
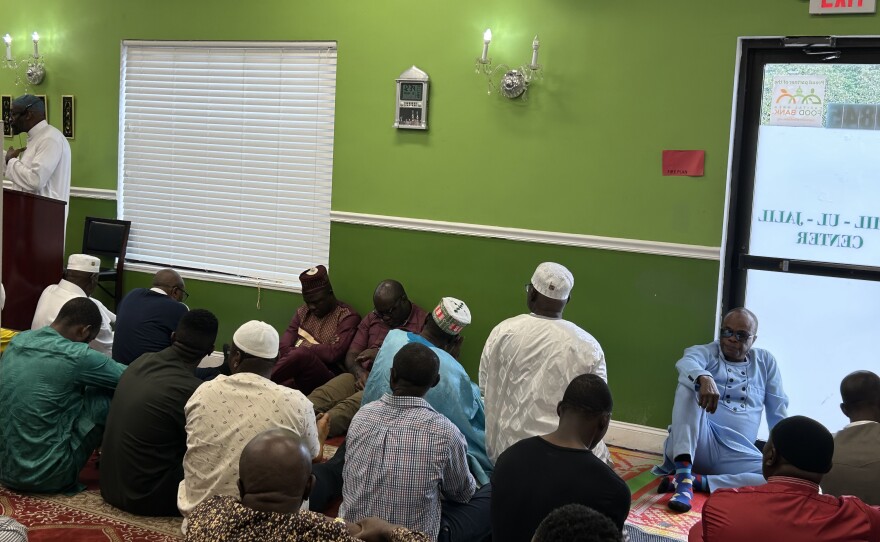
pixel 803 248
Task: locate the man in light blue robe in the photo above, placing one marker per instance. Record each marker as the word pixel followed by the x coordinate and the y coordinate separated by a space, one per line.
pixel 723 388
pixel 456 396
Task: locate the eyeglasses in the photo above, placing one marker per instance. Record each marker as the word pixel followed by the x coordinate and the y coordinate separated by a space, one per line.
pixel 741 336
pixel 390 312
pixel 528 285
pixel 185 293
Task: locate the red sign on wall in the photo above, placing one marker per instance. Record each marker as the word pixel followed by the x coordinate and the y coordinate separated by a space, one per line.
pixel 683 163
pixel 834 7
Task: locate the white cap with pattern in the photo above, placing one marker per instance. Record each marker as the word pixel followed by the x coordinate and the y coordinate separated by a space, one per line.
pixel 553 280
pixel 83 262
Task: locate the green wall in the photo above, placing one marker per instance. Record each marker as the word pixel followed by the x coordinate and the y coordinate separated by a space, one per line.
pixel 624 80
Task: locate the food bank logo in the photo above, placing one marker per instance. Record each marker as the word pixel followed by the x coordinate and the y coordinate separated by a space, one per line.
pixel 798 97
pixel 803 107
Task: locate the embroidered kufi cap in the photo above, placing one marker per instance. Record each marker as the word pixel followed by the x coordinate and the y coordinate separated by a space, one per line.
pixel 83 262
pixel 314 279
pixel 451 315
pixel 553 280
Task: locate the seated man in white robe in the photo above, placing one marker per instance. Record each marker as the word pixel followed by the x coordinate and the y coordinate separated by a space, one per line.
pixel 79 280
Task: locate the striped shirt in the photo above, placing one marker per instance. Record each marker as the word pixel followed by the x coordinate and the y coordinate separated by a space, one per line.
pixel 402 457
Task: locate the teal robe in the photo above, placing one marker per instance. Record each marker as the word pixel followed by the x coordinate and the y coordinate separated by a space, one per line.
pixel 54 398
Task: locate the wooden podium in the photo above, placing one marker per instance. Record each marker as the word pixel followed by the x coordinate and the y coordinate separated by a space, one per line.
pixel 33 253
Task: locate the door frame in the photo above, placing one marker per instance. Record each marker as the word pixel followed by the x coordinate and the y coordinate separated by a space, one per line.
pixel 753 53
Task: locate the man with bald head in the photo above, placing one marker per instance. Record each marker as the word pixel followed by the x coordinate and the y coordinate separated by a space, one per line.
pixel 856 468
pixel 789 507
pixel 392 309
pixel 723 389
pixel 341 396
pixel 146 319
pixel 43 166
pixel 275 477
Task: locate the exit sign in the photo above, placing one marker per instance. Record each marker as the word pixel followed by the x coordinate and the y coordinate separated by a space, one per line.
pixel 834 7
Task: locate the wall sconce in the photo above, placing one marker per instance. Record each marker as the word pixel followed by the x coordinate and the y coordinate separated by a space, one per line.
pixel 34 67
pixel 514 83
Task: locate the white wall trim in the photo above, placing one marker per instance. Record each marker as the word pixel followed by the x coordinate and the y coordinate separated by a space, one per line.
pixel 636 437
pixel 92 193
pixel 531 236
pixel 639 246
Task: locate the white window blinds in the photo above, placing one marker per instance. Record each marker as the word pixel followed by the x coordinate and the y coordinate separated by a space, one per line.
pixel 226 156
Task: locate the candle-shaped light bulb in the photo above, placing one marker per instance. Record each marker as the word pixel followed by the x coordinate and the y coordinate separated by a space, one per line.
pixel 535 45
pixel 8 39
pixel 36 38
pixel 487 38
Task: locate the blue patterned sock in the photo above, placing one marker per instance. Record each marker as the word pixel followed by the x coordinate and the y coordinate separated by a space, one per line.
pixel 684 487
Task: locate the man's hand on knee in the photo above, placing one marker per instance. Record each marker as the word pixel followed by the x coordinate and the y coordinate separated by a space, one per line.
pixel 708 394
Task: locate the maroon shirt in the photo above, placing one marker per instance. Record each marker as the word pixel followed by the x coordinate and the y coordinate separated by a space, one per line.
pixel 785 510
pixel 334 332
pixel 372 330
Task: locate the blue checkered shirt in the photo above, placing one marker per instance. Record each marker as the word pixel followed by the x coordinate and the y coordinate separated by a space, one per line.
pixel 401 457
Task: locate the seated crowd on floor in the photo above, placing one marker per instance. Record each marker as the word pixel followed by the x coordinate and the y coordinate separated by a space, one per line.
pixel 427 454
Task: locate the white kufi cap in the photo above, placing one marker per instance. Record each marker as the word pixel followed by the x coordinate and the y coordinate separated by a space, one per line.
pixel 83 262
pixel 553 280
pixel 258 339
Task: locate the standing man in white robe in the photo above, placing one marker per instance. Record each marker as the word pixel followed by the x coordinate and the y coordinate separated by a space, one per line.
pixel 43 166
pixel 530 359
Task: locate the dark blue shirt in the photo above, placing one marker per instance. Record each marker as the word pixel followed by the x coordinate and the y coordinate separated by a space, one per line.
pixel 144 322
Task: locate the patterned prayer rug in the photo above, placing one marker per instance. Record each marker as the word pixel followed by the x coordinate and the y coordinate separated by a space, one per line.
pixel 649 518
pixel 85 517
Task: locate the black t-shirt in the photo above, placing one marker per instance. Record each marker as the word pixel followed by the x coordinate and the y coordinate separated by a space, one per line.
pixel 145 436
pixel 533 477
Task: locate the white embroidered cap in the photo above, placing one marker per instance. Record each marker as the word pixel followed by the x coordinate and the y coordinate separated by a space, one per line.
pixel 553 280
pixel 83 262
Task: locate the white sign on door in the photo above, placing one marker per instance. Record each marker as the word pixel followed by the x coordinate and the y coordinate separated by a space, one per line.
pixel 836 7
pixel 797 100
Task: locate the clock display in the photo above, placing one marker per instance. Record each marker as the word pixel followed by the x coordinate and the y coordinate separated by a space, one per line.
pixel 411 92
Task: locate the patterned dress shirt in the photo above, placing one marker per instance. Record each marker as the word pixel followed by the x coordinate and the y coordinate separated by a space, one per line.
pixel 527 363
pixel 402 457
pixel 222 416
pixel 225 519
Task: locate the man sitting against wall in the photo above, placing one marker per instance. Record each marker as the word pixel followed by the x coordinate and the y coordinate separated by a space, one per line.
pixel 146 319
pixel 79 280
pixel 341 397
pixel 723 389
pixel 313 348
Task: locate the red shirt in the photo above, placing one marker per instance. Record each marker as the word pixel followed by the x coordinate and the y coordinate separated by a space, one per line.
pixel 372 330
pixel 785 510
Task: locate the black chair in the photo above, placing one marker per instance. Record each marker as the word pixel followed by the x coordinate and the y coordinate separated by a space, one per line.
pixel 108 238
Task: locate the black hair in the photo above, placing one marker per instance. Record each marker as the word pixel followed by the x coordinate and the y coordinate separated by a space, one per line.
pixel 577 523
pixel 860 388
pixel 588 393
pixel 198 329
pixel 80 311
pixel 416 364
